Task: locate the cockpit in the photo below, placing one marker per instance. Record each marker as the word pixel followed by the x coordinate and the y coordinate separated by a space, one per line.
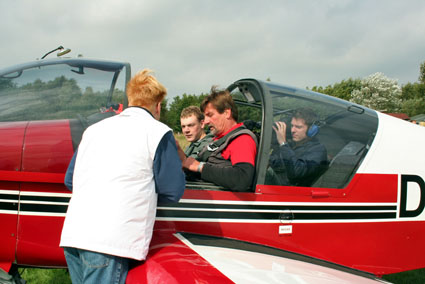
pixel 345 129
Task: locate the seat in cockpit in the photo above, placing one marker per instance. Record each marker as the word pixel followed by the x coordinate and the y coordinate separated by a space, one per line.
pixel 342 166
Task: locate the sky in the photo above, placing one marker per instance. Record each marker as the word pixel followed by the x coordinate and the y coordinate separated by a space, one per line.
pixel 194 44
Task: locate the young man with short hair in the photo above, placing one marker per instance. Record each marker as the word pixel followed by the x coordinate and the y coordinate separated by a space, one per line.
pixel 302 159
pixel 192 124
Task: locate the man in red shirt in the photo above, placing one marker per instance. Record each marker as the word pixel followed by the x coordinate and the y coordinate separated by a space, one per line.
pixel 230 159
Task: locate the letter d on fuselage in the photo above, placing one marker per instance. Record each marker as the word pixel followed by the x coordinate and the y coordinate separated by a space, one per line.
pixel 408 183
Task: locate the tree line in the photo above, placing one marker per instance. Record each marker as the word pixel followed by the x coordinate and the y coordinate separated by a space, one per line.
pixel 62 98
pixel 375 91
pixel 381 93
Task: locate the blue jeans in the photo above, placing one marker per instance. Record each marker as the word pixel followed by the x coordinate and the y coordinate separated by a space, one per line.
pixel 95 268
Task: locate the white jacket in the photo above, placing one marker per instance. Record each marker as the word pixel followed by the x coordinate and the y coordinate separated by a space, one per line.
pixel 113 206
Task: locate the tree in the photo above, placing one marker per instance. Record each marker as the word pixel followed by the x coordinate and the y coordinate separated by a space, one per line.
pixel 378 92
pixel 413 91
pixel 413 107
pixel 6 84
pixel 176 107
pixel 164 111
pixel 413 95
pixel 422 73
pixel 340 90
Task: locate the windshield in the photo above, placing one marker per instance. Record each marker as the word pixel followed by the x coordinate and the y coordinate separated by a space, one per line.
pixel 336 137
pixel 59 91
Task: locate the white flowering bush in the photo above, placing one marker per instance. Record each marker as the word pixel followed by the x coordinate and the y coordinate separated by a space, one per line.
pixel 378 92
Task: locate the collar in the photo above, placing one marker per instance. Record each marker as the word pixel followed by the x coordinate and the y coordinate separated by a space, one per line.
pixel 199 141
pixel 231 129
pixel 141 108
pixel 302 142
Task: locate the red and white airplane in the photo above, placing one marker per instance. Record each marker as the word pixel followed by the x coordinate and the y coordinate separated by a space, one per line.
pixel 362 218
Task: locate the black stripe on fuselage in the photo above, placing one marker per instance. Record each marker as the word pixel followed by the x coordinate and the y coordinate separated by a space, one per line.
pixel 280 207
pixel 273 215
pixel 208 211
pixel 7 196
pixel 45 198
pixel 43 208
pixel 9 202
pixel 9 206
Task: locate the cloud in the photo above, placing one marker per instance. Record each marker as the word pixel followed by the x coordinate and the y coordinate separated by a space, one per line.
pixel 194 44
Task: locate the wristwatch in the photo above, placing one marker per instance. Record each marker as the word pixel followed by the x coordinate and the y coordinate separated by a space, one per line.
pixel 281 144
pixel 200 166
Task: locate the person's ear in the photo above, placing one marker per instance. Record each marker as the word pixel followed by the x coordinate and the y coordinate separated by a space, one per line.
pixel 157 114
pixel 228 113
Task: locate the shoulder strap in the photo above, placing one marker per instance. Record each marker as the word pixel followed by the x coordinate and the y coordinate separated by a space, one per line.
pixel 220 144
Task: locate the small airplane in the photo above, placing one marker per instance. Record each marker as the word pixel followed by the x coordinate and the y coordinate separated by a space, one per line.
pixel 362 218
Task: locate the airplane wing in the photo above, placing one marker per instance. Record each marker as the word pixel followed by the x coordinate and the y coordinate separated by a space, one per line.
pixel 193 258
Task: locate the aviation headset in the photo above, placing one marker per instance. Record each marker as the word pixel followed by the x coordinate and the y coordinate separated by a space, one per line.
pixel 313 129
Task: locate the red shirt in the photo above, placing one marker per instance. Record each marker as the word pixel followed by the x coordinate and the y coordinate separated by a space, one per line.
pixel 242 149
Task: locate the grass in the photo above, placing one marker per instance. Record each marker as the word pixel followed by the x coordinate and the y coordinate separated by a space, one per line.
pixel 45 276
pixel 182 140
pixel 61 276
pixel 407 277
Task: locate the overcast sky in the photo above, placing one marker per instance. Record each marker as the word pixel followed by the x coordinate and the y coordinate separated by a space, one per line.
pixel 194 44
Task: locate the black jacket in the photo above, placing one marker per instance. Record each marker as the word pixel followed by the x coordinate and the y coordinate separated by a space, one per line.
pixel 301 163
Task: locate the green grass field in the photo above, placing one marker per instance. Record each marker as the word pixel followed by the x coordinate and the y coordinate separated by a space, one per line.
pixel 61 276
pixel 45 276
pixel 409 277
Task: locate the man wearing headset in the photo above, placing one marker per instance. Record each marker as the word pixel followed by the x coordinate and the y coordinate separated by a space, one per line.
pixel 302 159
